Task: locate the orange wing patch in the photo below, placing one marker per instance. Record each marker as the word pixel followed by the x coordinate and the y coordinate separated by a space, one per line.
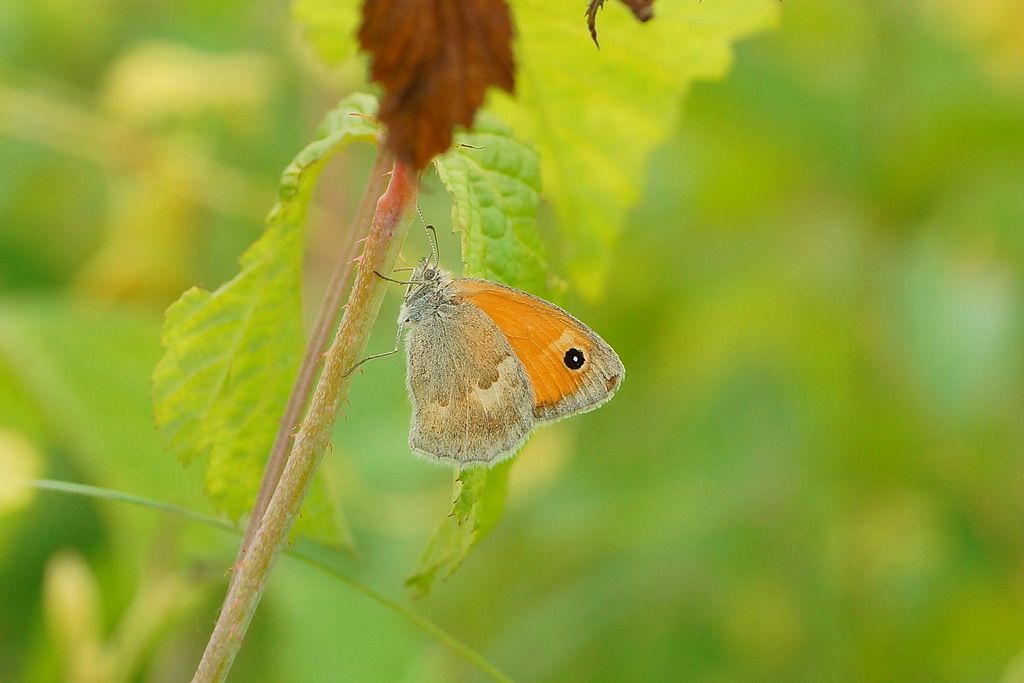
pixel 544 337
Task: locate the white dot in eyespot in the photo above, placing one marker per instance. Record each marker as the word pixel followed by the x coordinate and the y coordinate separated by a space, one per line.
pixel 574 359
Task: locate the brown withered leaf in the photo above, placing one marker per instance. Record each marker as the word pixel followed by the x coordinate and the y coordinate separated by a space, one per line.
pixel 435 60
pixel 643 10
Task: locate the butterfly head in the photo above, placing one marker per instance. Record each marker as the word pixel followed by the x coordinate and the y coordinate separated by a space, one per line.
pixel 426 272
pixel 426 293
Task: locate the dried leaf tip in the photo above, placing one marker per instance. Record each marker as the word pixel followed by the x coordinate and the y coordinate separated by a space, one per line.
pixel 435 60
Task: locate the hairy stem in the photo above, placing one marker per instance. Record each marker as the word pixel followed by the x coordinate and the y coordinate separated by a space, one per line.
pixel 380 253
pixel 326 318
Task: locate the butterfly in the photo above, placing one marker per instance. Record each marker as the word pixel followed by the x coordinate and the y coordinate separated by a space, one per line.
pixel 487 363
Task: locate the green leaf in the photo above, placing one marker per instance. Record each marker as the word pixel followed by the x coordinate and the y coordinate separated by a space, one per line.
pixel 231 355
pixel 477 505
pixel 494 180
pixel 595 116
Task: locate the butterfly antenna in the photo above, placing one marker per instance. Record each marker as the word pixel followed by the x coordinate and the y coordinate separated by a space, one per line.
pixel 432 233
pixel 432 236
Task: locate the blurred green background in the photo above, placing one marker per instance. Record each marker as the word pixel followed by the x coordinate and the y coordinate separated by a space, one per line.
pixel 814 471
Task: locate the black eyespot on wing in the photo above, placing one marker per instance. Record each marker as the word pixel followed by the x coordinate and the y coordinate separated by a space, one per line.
pixel 574 359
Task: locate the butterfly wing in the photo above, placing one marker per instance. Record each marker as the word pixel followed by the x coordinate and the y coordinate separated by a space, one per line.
pixel 571 368
pixel 470 395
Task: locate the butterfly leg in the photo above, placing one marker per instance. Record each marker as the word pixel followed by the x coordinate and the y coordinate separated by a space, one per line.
pixel 398 343
pixel 397 282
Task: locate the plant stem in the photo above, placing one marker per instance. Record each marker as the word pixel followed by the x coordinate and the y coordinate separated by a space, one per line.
pixel 326 318
pixel 380 253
